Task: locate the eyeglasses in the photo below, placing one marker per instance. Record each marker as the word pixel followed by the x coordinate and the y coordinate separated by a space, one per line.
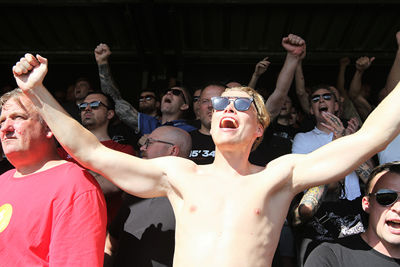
pixel 316 98
pixel 146 98
pixel 176 92
pixel 196 98
pixel 385 197
pixel 150 141
pixel 240 103
pixel 93 105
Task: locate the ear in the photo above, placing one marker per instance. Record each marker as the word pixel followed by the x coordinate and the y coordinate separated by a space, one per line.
pixel 158 104
pixel 184 107
pixel 174 151
pixel 259 130
pixel 365 203
pixel 311 111
pixel 110 114
pixel 48 133
pixel 336 106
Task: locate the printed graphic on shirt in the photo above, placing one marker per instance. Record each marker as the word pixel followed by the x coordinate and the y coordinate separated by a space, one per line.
pixel 202 153
pixel 5 216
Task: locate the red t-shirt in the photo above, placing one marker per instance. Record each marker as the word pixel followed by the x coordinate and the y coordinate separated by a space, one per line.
pixel 56 217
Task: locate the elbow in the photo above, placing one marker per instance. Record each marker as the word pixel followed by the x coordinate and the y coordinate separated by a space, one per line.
pixel 306 211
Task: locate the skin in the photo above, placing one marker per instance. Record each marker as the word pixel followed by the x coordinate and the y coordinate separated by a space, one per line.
pixel 315 109
pixel 173 106
pixel 205 107
pixel 149 107
pixel 213 203
pixel 381 234
pixel 196 105
pixel 82 88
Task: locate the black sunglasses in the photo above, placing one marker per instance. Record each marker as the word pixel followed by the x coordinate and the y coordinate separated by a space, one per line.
pixel 240 103
pixel 93 105
pixel 315 98
pixel 176 92
pixel 196 98
pixel 146 98
pixel 385 197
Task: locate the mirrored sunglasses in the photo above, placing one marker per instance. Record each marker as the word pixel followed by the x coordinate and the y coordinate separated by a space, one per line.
pixel 93 105
pixel 385 197
pixel 316 98
pixel 240 103
pixel 146 98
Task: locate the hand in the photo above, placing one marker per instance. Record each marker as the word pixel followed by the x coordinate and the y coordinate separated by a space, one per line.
pixel 344 61
pixel 294 45
pixel 30 71
pixel 142 140
pixel 334 124
pixel 363 63
pixel 102 52
pixel 352 126
pixel 261 67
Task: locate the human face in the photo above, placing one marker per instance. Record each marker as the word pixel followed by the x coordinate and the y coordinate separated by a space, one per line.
pixel 286 108
pixel 322 104
pixel 196 103
pixel 205 107
pixel 81 89
pixel 172 103
pixel 384 221
pixel 230 128
pixel 94 118
pixel 147 102
pixel 22 134
pixel 155 146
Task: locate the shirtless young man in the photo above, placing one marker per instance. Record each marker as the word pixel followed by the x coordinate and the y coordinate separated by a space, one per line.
pixel 228 213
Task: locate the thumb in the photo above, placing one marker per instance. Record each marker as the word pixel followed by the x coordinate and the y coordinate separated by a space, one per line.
pixel 41 59
pixel 372 59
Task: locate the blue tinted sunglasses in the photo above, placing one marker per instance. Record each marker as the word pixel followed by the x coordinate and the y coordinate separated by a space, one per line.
pixel 240 103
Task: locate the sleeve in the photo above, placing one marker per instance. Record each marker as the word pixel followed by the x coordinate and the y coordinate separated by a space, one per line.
pixel 322 256
pixel 78 235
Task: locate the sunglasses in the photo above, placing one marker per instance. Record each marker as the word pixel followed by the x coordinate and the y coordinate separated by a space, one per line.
pixel 150 141
pixel 385 197
pixel 316 98
pixel 240 103
pixel 93 105
pixel 177 93
pixel 146 98
pixel 196 98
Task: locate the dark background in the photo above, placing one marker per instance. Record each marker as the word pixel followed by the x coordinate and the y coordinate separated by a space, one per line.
pixel 196 41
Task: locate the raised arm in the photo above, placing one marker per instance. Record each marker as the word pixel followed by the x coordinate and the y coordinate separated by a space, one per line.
pixel 343 63
pixel 394 74
pixel 261 67
pixel 144 178
pixel 301 92
pixel 338 158
pixel 294 46
pixel 362 104
pixel 125 111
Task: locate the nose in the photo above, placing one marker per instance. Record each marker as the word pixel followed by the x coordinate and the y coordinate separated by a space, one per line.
pixel 230 108
pixel 5 125
pixel 396 206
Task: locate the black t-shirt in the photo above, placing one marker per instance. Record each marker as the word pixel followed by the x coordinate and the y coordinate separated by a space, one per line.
pixel 351 251
pixel 278 140
pixel 203 148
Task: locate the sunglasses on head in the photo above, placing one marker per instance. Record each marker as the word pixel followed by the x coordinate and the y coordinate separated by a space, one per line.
pixel 176 92
pixel 240 103
pixel 316 98
pixel 146 98
pixel 93 105
pixel 385 197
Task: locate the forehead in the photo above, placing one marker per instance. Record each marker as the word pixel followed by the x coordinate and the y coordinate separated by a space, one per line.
pixel 197 92
pixel 211 91
pixel 20 104
pixel 386 180
pixel 82 83
pixel 96 97
pixel 321 91
pixel 146 93
pixel 235 93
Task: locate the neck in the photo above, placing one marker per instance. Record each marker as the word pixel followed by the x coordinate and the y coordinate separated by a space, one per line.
pixel 101 133
pixel 29 166
pixel 283 121
pixel 204 130
pixel 233 161
pixel 390 250
pixel 322 128
pixel 170 117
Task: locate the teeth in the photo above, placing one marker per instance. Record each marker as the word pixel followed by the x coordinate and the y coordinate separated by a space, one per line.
pixel 228 123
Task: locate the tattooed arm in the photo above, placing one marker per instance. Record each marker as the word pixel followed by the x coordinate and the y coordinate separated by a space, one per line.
pixel 125 111
pixel 364 170
pixel 309 204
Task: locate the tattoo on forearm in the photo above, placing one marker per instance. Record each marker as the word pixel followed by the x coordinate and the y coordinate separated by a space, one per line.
pixel 363 171
pixel 107 83
pixel 312 198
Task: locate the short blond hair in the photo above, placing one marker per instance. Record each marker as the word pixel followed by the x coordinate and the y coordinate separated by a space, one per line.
pixel 263 116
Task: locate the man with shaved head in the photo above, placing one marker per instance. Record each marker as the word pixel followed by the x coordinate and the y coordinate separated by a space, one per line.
pixel 230 212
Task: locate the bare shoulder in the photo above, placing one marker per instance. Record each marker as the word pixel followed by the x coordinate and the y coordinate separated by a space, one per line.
pixel 281 169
